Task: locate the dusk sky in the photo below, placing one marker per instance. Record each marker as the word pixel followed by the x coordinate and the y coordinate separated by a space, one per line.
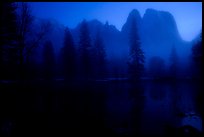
pixel 188 15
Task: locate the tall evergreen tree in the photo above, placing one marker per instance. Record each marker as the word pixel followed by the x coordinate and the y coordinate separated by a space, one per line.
pixel 197 56
pixel 85 51
pixel 48 60
pixel 8 38
pixel 68 56
pixel 136 55
pixel 99 56
pixel 173 63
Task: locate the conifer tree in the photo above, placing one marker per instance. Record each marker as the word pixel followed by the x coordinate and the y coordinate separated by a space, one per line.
pixel 136 54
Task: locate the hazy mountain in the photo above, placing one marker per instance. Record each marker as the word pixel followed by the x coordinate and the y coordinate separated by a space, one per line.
pixel 134 14
pixel 157 30
pixel 159 27
pixel 112 41
pixel 160 33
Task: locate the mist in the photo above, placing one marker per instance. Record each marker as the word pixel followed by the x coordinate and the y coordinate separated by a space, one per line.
pixel 76 66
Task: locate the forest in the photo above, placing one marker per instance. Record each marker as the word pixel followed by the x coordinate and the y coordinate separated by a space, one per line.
pixel 27 52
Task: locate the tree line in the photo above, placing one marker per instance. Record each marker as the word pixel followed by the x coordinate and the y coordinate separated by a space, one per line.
pixel 84 60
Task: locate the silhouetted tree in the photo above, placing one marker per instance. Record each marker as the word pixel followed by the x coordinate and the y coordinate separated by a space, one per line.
pixel 26 43
pixel 24 22
pixel 99 56
pixel 136 55
pixel 85 51
pixel 156 67
pixel 8 38
pixel 48 60
pixel 197 56
pixel 173 63
pixel 68 54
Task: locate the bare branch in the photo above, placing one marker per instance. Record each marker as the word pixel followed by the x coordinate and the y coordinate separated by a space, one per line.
pixel 44 30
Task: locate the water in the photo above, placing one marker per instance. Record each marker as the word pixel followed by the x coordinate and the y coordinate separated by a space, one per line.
pixel 149 108
pixel 101 107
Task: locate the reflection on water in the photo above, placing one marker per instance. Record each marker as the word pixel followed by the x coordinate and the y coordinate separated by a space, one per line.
pixel 107 107
pixel 149 108
pixel 124 106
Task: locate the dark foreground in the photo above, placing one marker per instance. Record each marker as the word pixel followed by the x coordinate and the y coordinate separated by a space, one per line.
pixel 115 108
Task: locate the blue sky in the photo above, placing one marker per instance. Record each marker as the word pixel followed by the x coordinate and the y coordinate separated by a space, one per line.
pixel 188 15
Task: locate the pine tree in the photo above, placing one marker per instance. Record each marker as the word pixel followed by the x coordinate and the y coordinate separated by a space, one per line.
pixel 85 51
pixel 48 60
pixel 136 55
pixel 99 56
pixel 68 56
pixel 197 56
pixel 173 63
